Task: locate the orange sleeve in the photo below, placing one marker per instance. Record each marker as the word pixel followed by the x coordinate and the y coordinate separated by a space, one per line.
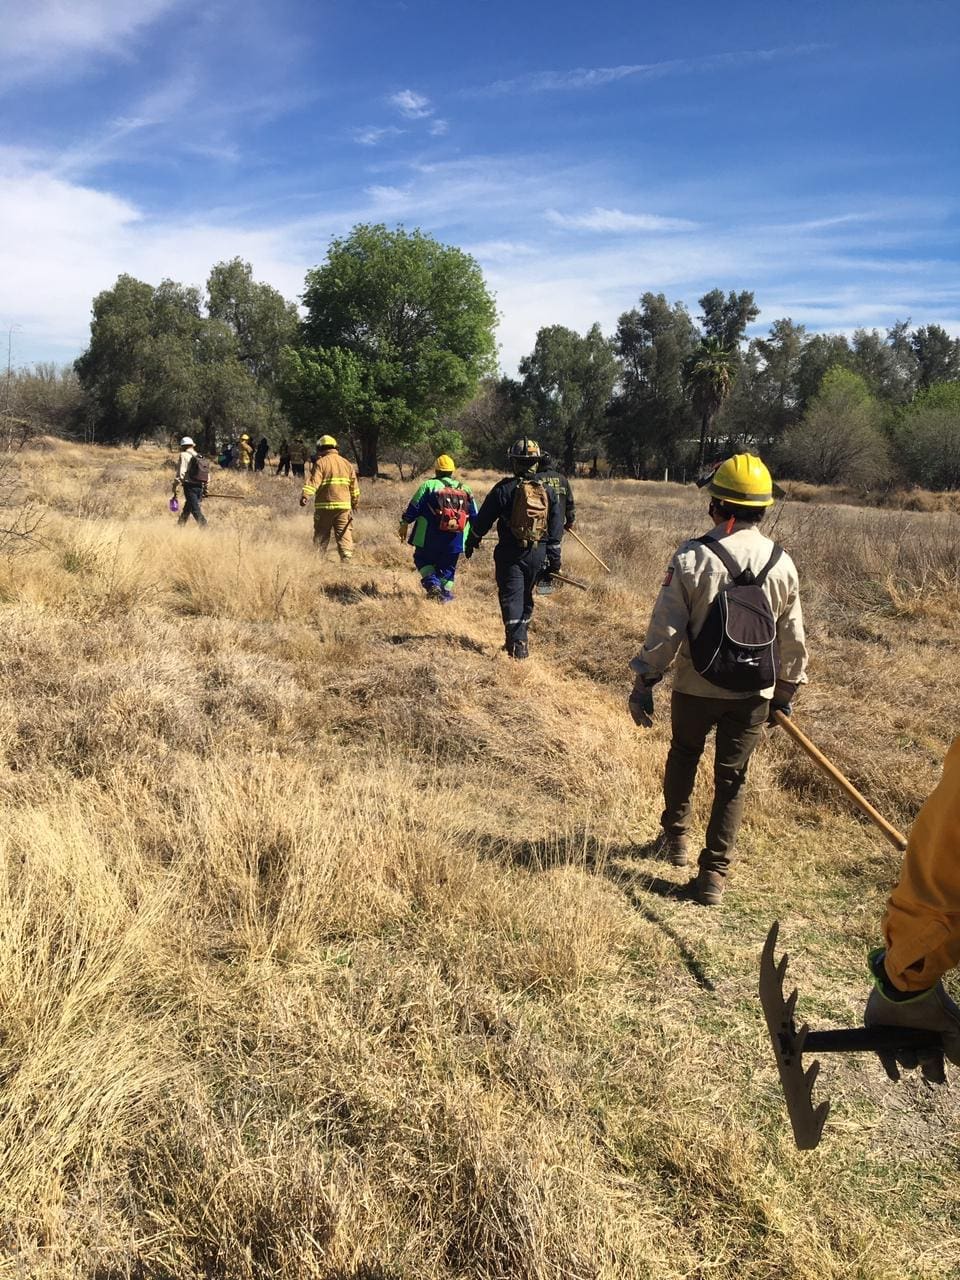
pixel 922 923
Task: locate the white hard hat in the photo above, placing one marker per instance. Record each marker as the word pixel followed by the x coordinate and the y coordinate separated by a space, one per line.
pixel 187 441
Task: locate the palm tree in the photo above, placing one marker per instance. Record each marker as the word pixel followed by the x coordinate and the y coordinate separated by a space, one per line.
pixel 708 375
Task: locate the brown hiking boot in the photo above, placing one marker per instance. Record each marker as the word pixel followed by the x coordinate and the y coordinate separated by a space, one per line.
pixel 672 848
pixel 708 888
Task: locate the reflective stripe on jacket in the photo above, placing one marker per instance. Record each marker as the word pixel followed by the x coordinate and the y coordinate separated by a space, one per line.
pixel 334 482
pixel 922 924
pixel 694 577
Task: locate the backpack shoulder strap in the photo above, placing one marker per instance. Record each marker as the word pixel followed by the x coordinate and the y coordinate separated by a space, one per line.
pixel 775 555
pixel 722 554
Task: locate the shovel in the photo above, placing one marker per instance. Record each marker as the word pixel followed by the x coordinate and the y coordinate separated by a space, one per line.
pixel 789 1046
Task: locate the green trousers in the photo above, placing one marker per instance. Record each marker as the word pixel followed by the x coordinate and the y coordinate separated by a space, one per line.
pixel 739 727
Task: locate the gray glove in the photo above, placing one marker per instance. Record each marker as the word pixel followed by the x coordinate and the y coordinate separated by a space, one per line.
pixel 930 1010
pixel 641 704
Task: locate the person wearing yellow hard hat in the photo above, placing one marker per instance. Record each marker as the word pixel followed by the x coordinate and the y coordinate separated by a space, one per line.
pixel 729 613
pixel 332 484
pixel 245 453
pixel 440 512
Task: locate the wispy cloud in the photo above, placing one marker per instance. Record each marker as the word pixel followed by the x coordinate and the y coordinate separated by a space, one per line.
pixel 616 220
pixel 370 136
pixel 438 128
pixel 412 105
pixel 595 77
pixel 62 35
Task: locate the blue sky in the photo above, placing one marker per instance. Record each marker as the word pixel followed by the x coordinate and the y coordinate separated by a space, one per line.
pixel 583 153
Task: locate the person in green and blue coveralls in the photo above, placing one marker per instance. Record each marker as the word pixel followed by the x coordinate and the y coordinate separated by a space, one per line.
pixel 434 511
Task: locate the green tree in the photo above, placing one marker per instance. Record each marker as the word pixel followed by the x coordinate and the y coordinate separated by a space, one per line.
pixel 885 362
pixel 398 332
pixel 259 317
pixel 156 365
pixel 839 440
pixel 568 380
pixel 937 355
pixel 821 351
pixel 781 353
pixel 725 318
pixel 709 375
pixel 649 419
pixel 927 435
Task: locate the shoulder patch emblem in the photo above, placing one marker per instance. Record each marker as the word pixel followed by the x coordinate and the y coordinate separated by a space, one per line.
pixel 668 578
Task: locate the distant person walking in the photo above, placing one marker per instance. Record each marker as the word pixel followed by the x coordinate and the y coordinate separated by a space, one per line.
pixel 245 453
pixel 260 457
pixel 298 455
pixel 193 475
pixel 729 613
pixel 334 487
pixel 440 512
pixel 283 461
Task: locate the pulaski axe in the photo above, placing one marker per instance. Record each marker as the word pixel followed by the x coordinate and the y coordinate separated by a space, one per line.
pixel 789 1045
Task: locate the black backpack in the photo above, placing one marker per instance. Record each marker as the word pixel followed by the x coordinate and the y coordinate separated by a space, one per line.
pixel 736 648
pixel 198 470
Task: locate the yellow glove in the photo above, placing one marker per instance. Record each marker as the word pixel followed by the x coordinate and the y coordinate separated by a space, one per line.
pixel 402 530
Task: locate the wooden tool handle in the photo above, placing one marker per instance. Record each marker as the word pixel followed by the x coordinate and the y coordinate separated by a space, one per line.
pixel 573 533
pixel 896 838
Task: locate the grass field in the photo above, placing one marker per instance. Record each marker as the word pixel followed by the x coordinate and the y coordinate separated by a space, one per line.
pixel 328 943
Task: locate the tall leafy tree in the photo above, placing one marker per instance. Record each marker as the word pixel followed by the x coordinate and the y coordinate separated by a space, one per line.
pixel 885 362
pixel 398 332
pixel 709 375
pixel 780 352
pixel 927 434
pixel 649 418
pixel 725 317
pixel 822 351
pixel 568 379
pixel 937 355
pixel 260 318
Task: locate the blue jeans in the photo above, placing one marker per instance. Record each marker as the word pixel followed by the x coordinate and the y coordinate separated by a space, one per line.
pixel 192 498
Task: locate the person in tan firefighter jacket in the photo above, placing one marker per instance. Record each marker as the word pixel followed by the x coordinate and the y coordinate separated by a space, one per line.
pixel 729 613
pixel 333 485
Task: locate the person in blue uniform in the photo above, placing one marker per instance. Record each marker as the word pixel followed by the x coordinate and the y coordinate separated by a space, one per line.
pixel 529 519
pixel 440 512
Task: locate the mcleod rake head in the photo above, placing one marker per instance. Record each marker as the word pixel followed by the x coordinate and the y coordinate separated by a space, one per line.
pixel 789 1045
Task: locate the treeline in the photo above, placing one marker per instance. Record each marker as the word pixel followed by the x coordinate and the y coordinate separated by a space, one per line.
pixel 670 392
pixel 395 353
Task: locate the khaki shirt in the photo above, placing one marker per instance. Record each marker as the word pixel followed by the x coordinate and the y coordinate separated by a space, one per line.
pixel 694 577
pixel 183 464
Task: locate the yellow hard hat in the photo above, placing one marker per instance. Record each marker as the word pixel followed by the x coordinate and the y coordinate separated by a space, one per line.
pixel 444 463
pixel 743 481
pixel 326 442
pixel 244 437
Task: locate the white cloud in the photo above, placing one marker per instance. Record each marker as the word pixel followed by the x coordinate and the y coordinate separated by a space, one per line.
pixel 370 136
pixel 411 104
pixel 599 219
pixel 63 240
pixel 438 128
pixel 594 77
pixel 41 36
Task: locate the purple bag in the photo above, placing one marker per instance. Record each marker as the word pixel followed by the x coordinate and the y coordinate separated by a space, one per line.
pixel 174 505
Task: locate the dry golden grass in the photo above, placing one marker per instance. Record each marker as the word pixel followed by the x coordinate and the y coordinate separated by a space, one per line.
pixel 328 944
